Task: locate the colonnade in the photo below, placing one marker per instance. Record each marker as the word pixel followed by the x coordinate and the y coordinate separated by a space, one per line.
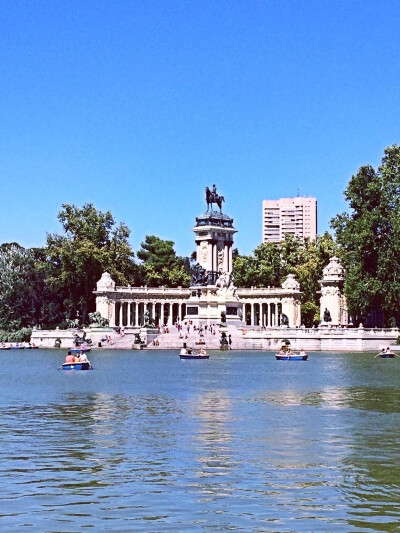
pixel 262 314
pixel 128 313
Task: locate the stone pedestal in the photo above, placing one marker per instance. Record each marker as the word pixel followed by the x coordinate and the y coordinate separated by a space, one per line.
pixel 206 304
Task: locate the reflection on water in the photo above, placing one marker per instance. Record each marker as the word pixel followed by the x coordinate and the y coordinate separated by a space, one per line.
pixel 239 442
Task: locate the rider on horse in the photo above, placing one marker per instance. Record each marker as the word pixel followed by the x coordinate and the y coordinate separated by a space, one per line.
pixel 213 198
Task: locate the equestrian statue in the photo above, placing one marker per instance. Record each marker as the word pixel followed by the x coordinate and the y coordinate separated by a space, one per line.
pixel 213 198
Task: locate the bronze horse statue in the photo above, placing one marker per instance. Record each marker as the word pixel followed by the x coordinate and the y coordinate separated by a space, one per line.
pixel 214 198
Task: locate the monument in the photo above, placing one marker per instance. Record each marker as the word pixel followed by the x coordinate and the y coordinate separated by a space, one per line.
pixel 333 310
pixel 212 289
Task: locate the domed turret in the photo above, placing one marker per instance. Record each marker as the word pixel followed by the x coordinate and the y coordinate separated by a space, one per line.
pixel 291 284
pixel 334 270
pixel 105 283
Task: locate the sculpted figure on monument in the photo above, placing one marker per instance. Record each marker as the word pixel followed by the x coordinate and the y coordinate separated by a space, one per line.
pixel 327 315
pixel 199 275
pixel 213 198
pixel 148 322
pixel 284 320
pixel 97 321
pixel 225 284
pixel 223 318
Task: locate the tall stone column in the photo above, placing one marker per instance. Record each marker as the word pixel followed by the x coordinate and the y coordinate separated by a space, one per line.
pixel 226 258
pixel 136 314
pixel 230 262
pixel 162 314
pixel 121 311
pixel 209 257
pixel 252 314
pixel 129 314
pixel 215 258
pixel 112 317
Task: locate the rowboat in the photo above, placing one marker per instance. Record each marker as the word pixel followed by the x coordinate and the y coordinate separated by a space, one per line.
pixel 185 354
pixel 80 350
pixel 292 357
pixel 81 365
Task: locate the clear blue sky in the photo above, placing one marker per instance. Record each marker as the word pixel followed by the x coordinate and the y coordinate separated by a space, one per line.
pixel 136 106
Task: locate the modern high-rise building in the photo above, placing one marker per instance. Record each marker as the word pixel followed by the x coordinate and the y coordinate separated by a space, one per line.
pixel 297 216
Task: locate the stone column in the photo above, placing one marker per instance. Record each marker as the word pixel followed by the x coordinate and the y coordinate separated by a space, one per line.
pixel 226 258
pixel 162 314
pixel 136 314
pixel 112 317
pixel 209 257
pixel 252 314
pixel 180 313
pixel 215 258
pixel 129 314
pixel 230 258
pixel 121 304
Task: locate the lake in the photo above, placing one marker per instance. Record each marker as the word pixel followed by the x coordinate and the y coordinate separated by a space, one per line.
pixel 147 442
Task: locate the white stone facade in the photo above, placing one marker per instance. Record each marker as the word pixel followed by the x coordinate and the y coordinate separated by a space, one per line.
pixel 332 297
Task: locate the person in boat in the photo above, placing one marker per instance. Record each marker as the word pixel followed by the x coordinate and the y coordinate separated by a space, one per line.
pixel 190 351
pixel 77 358
pixel 302 352
pixel 289 352
pixel 83 357
pixel 69 358
pixel 202 352
pixel 383 351
pixel 388 350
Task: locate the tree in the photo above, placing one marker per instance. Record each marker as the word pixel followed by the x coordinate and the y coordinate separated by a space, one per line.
pixel 21 290
pixel 369 239
pixel 263 269
pixel 271 263
pixel 161 265
pixel 90 245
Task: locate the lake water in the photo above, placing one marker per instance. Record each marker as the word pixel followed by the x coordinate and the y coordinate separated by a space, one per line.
pixel 147 442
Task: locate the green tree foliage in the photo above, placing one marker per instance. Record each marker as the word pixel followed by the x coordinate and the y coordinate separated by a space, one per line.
pixel 369 239
pixel 90 245
pixel 20 288
pixel 161 265
pixel 271 263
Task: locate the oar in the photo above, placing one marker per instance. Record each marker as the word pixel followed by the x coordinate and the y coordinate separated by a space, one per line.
pixel 377 355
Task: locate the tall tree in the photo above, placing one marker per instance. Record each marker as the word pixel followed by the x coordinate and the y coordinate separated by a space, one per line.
pixel 161 265
pixel 369 239
pixel 90 245
pixel 21 288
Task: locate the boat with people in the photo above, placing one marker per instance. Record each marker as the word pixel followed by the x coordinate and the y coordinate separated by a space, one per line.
pixel 187 353
pixel 289 356
pixel 18 346
pixel 386 354
pixel 80 350
pixel 76 362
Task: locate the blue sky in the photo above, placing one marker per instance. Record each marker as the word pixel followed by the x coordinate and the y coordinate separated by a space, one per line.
pixel 137 106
